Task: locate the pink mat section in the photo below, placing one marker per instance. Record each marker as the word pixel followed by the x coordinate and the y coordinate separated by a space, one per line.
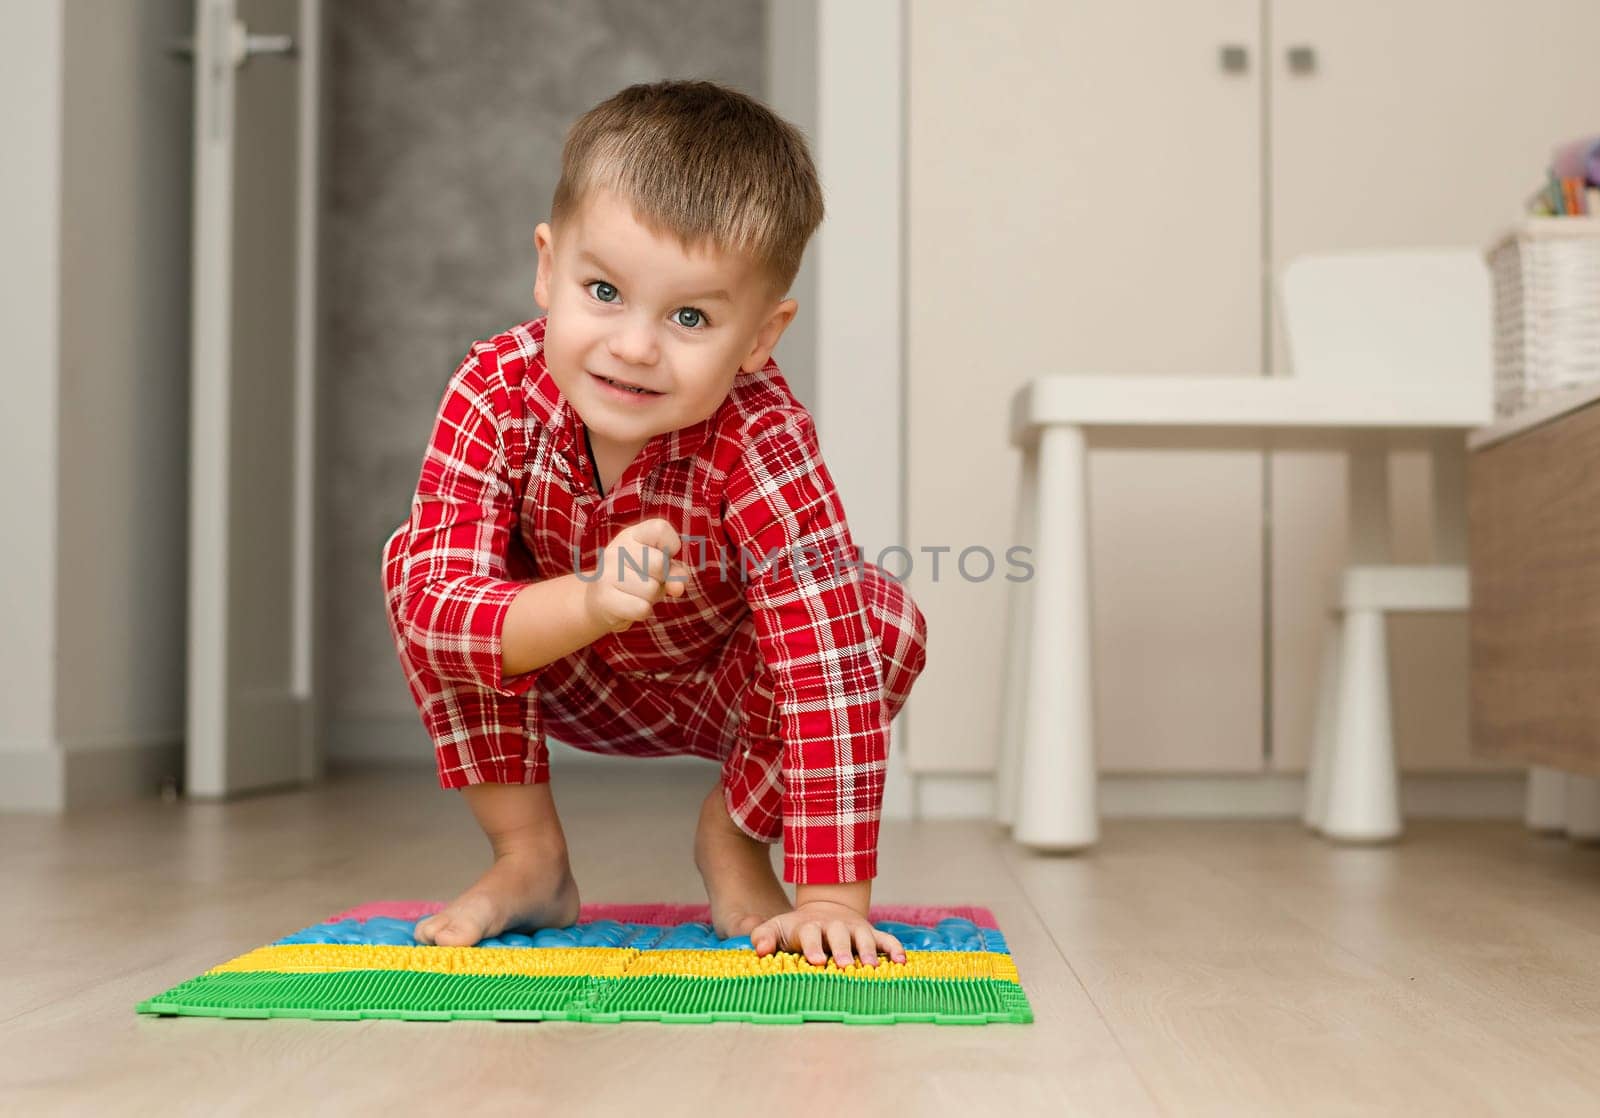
pixel 925 915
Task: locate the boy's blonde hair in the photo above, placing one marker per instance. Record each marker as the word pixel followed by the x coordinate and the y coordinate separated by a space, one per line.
pixel 701 161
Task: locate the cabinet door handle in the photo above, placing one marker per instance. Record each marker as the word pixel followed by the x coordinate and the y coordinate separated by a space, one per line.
pixel 1302 60
pixel 1233 58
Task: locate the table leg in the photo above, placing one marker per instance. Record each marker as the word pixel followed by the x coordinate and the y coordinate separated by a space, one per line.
pixel 1020 605
pixel 1360 796
pixel 1056 795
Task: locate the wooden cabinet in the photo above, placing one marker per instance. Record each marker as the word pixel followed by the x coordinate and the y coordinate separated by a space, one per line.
pixel 1534 528
pixel 1108 187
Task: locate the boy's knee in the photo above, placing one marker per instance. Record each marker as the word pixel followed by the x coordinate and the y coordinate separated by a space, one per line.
pixel 910 656
pixel 901 631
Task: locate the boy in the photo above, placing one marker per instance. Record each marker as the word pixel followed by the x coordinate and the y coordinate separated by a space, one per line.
pixel 543 581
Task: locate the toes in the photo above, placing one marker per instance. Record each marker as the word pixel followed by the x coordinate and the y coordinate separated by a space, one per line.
pixel 457 933
pixel 447 929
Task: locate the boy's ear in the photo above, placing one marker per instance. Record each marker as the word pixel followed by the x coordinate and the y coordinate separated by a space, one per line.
pixel 543 241
pixel 767 337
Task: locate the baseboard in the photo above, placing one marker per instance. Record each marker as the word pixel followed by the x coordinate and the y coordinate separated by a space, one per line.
pixel 51 779
pixel 1268 796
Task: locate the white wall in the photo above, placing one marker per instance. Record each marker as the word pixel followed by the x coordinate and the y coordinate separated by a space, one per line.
pixel 95 208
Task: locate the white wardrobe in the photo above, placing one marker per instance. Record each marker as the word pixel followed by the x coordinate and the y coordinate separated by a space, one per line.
pixel 1098 186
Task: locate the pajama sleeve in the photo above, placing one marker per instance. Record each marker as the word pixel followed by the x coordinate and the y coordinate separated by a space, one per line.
pixel 459 580
pixel 785 529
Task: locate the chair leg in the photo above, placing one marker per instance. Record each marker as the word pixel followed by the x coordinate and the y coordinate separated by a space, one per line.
pixel 1014 687
pixel 1583 808
pixel 1056 793
pixel 1363 792
pixel 1546 808
pixel 1325 734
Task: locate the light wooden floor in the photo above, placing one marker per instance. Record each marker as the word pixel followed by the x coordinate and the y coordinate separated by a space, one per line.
pixel 1180 968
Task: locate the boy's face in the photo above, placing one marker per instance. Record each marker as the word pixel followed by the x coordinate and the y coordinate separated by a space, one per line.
pixel 627 304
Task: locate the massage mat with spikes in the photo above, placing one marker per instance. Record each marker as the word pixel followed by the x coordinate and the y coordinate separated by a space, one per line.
pixel 644 962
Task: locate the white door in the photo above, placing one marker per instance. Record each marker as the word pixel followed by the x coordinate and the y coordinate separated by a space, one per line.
pixel 1396 123
pixel 1084 197
pixel 250 700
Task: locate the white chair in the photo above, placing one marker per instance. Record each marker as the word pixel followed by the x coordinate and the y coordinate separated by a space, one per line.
pixel 1388 349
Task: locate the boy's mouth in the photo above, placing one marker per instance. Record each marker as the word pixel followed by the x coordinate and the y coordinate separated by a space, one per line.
pixel 625 386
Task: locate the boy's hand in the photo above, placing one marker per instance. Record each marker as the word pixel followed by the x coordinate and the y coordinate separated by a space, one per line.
pixel 805 929
pixel 621 594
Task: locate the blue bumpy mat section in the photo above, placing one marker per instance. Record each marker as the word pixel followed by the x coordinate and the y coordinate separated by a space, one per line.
pixel 951 934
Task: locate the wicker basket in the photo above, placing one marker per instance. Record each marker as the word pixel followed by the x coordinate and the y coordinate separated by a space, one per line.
pixel 1546 310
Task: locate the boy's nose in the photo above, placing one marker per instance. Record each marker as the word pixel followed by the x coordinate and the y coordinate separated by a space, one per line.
pixel 635 344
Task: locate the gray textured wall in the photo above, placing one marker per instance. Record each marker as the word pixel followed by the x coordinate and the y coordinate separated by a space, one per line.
pixel 444 122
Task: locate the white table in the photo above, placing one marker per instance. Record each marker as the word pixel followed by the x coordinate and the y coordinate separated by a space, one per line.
pixel 1047 779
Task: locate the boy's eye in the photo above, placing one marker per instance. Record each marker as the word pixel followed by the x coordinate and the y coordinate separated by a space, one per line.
pixel 607 293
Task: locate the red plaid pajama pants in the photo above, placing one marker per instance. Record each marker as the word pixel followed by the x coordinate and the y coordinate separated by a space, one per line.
pixel 721 709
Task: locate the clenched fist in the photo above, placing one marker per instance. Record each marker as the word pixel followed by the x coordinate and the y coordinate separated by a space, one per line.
pixel 635 571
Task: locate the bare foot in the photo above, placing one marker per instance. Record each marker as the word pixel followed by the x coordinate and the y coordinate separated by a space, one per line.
pixel 740 882
pixel 519 891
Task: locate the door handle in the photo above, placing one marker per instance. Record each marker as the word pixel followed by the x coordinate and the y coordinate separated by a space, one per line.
pixel 262 44
pixel 1233 58
pixel 242 45
pixel 1302 60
